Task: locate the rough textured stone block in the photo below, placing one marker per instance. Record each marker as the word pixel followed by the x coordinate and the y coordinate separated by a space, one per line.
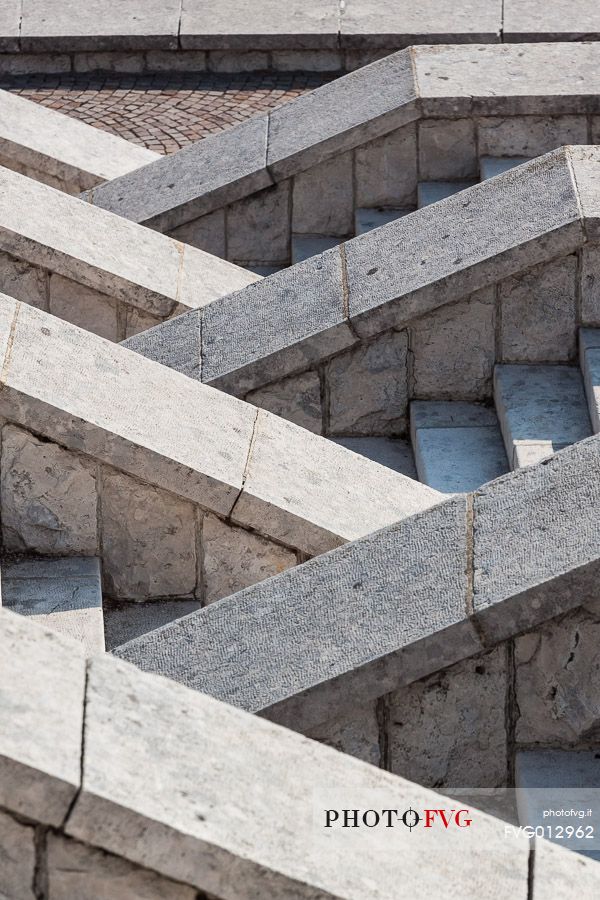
pixel 48 496
pixel 323 198
pixel 17 859
pixel 307 60
pixel 10 23
pixel 84 307
pixel 49 24
pixel 258 227
pixel 376 599
pixel 556 870
pixel 234 558
pixel 297 399
pixel 454 349
pixel 304 246
pixel 541 409
pixel 148 540
pixel 368 219
pixel 42 675
pixel 137 321
pixel 77 870
pixel 562 20
pixel 394 453
pixel 307 490
pixel 585 162
pixel 447 149
pixel 124 621
pixel 64 595
pixel 228 61
pixel 175 343
pixel 529 135
pixel 557 683
pixel 501 225
pixel 490 166
pixel 198 179
pixel 589 352
pixel 341 115
pixel 544 520
pixel 386 169
pixel 358 735
pixel 590 284
pixel 368 390
pixel 23 281
pixel 538 321
pixel 449 730
pixel 206 232
pixel 310 25
pixel 430 192
pixel 146 802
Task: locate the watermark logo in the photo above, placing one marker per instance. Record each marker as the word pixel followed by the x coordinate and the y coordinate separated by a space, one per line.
pixel 390 818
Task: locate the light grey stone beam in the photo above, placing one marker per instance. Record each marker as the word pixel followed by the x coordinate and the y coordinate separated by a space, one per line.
pixel 60 150
pixel 384 611
pixel 561 20
pixel 158 776
pixel 365 104
pixel 386 278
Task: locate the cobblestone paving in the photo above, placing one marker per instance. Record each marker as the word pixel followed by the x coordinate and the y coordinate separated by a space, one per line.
pixel 163 112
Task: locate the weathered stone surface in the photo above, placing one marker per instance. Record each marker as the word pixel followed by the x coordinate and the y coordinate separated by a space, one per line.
pixel 48 496
pixel 450 414
pixel 148 540
pixel 323 198
pixel 310 25
pixel 349 623
pixel 306 245
pixel 23 281
pixel 341 115
pixel 585 162
pixel 454 349
pixel 541 409
pixel 367 219
pixel 204 278
pixel 429 192
pixel 544 520
pixel 556 870
pixel 529 135
pixel 307 60
pixel 83 306
pixel 297 399
pixel 534 21
pixel 196 448
pixel 258 227
pixel 368 390
pixel 357 736
pixel 137 321
pixel 42 676
pixel 460 458
pixel 10 21
pixel 538 321
pixel 557 681
pixel 17 859
pixel 394 453
pixel 176 343
pixel 589 353
pixel 449 730
pixel 447 150
pixel 64 595
pixel 206 232
pixel 77 870
pixel 126 620
pixel 365 24
pixel 590 284
pixel 489 232
pixel 198 179
pixel 490 166
pixel 49 24
pixel 386 170
pixel 228 61
pixel 224 829
pixel 309 491
pixel 234 558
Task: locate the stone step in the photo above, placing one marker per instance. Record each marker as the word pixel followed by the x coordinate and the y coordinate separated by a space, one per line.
pixel 394 453
pixel 429 192
pixel 64 595
pixel 458 446
pixel 541 409
pixel 589 356
pixel 490 166
pixel 366 219
pixel 551 783
pixel 306 245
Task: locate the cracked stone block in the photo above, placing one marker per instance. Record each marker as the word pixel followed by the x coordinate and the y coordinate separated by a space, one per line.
pixel 368 390
pixel 148 540
pixel 83 306
pixel 48 496
pixel 386 170
pixel 78 870
pixel 449 730
pixel 24 282
pixel 590 284
pixel 539 320
pixel 207 232
pixel 529 135
pixel 322 198
pixel 258 227
pixel 357 735
pixel 454 350
pixel 235 558
pixel 297 399
pixel 447 149
pixel 17 860
pixel 558 681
